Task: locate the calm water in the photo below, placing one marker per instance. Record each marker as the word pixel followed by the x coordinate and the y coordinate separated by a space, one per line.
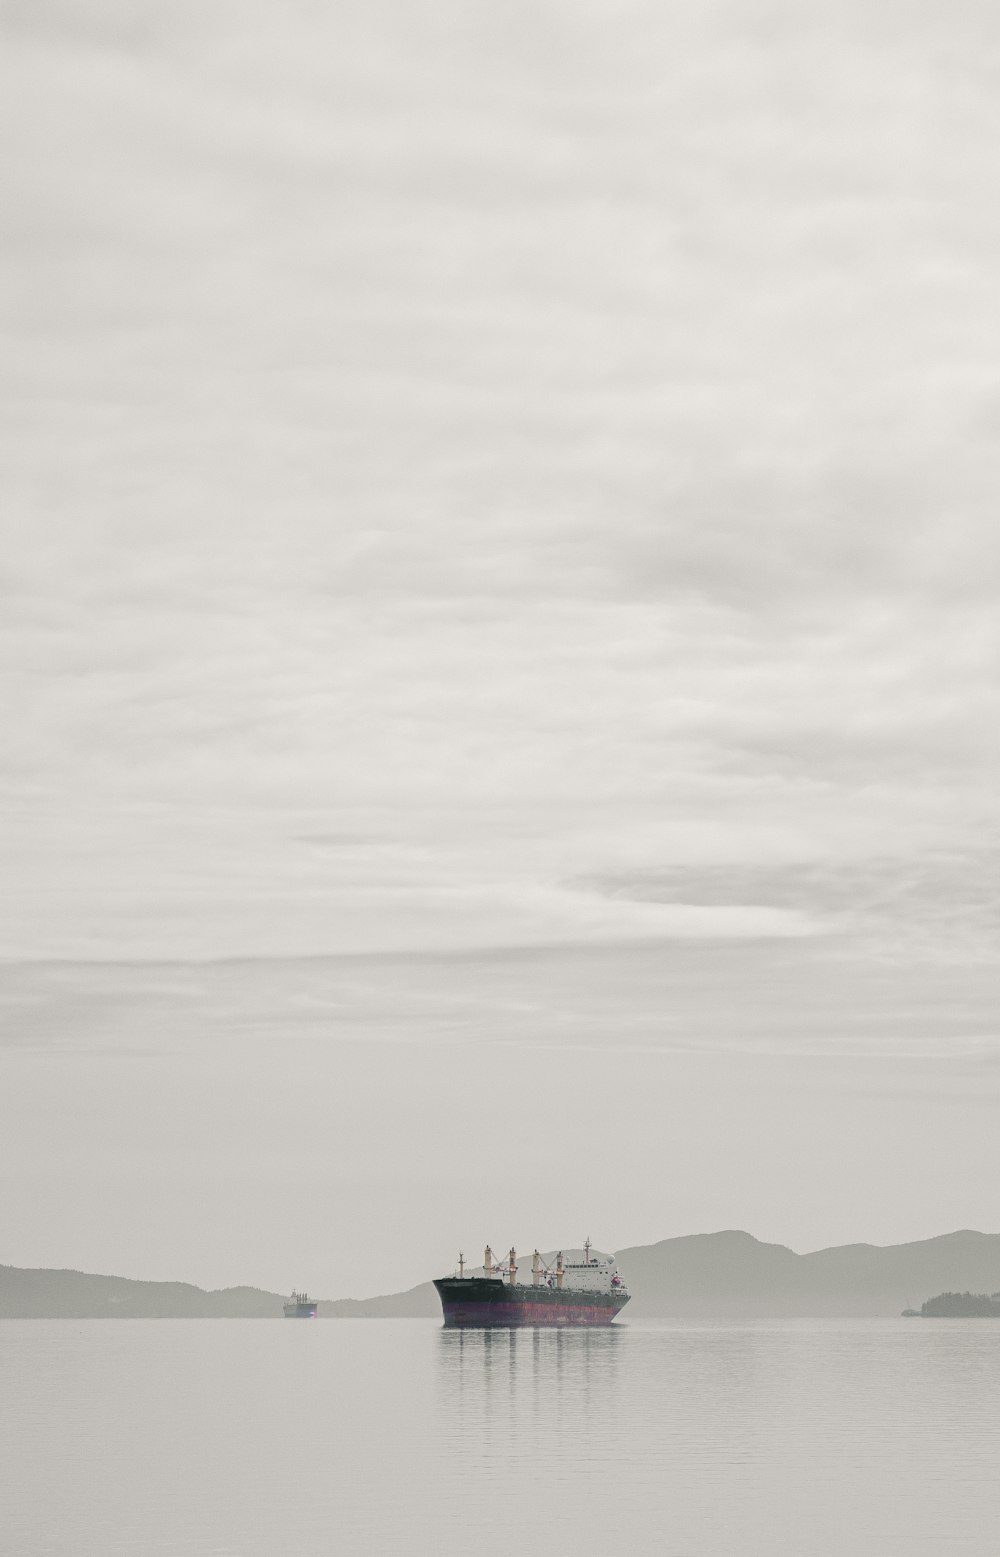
pixel 244 1438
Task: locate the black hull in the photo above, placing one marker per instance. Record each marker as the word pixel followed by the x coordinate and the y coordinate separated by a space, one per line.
pixel 481 1303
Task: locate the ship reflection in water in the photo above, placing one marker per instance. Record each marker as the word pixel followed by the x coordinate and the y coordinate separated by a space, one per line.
pixel 495 1351
pixel 492 1379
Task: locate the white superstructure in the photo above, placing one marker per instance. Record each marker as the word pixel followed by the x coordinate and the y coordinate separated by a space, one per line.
pixel 593 1275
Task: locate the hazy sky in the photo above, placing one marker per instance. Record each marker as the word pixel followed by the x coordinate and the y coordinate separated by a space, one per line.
pixel 499 629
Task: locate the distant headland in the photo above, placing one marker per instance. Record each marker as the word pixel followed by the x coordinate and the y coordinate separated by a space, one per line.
pixel 723 1275
pixel 962 1305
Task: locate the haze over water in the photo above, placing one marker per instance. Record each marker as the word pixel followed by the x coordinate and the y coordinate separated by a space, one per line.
pixel 240 1439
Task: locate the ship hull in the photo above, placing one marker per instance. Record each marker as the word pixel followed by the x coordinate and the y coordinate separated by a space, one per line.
pixel 483 1304
pixel 300 1310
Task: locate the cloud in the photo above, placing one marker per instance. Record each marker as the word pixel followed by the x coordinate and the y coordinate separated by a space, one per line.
pixel 498 620
pixel 564 463
pixel 943 906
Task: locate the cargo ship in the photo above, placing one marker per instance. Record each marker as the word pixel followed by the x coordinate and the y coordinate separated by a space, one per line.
pixel 300 1306
pixel 561 1292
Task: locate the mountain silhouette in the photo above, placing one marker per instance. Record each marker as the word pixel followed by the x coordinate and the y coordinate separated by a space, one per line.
pixel 724 1275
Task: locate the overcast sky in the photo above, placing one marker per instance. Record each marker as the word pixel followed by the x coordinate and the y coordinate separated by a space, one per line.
pixel 499 629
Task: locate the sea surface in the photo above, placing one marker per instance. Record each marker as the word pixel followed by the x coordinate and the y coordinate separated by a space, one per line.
pixel 253 1438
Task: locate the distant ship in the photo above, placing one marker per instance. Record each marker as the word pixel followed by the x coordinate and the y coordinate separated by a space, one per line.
pixel 582 1292
pixel 300 1306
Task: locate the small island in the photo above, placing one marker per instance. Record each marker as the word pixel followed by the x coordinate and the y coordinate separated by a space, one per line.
pixel 961 1305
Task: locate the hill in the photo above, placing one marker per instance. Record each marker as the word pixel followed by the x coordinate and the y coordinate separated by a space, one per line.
pixel 73 1294
pixel 417 1303
pixel 733 1275
pixel 726 1275
pixel 962 1305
